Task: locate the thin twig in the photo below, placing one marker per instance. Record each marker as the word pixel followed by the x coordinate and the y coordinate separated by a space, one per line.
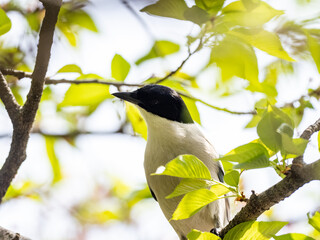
pixel 138 17
pixel 18 74
pixel 253 112
pixel 182 63
pixel 112 83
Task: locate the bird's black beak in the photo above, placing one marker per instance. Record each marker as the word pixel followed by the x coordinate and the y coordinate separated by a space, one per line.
pixel 127 96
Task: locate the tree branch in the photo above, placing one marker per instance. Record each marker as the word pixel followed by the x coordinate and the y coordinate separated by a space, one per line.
pixel 299 175
pixel 8 235
pixel 112 83
pixel 9 101
pixel 21 129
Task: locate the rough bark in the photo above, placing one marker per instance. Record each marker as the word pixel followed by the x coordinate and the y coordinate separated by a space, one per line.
pixel 8 235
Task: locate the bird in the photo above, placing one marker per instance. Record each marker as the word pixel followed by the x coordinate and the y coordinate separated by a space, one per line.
pixel 171 132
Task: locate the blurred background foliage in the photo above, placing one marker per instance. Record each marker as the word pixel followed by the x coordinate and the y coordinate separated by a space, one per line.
pixel 249 47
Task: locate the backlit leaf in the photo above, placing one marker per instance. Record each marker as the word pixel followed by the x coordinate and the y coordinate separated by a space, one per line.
pixel 314 221
pixel 186 166
pixel 220 189
pixel 138 124
pixel 82 19
pixel 119 68
pixel 187 185
pixel 314 48
pixel 249 156
pixel 263 40
pixel 319 141
pixel 70 68
pixel 54 161
pixel 167 8
pixel 237 14
pixel 85 94
pixel 235 58
pixel 212 7
pixel 5 22
pixel 294 146
pixel 196 15
pixel 24 189
pixel 198 235
pixel 192 203
pixel 293 236
pixel 232 178
pixel 161 48
pixel 268 128
pixel 254 230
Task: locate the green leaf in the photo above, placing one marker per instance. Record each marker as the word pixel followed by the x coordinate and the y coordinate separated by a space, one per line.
pixel 70 68
pixel 268 128
pixel 196 15
pixel 251 4
pixel 235 58
pixel 319 141
pixel 138 195
pixel 160 48
pixel 315 221
pixel 220 189
pixel 314 48
pixel 167 8
pixel 119 68
pixel 254 121
pixel 138 124
pixel 85 94
pixel 249 156
pixel 254 230
pixel 266 41
pixel 54 161
pixel 198 235
pixel 212 7
pixel 25 189
pixel 192 203
pixel 192 108
pixel 68 33
pixel 5 22
pixel 294 146
pixel 232 178
pixel 187 185
pixel 186 166
pixel 237 14
pixel 293 236
pixel 82 19
pixel 34 21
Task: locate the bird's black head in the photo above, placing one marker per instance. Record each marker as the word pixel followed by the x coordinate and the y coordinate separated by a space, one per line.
pixel 159 100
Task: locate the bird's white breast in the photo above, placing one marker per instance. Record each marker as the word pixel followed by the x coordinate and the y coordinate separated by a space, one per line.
pixel 167 140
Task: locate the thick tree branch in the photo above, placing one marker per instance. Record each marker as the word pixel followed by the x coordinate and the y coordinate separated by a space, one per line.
pixel 9 101
pixel 8 235
pixel 299 175
pixel 21 129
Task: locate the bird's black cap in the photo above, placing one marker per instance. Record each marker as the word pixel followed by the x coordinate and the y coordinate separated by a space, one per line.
pixel 159 100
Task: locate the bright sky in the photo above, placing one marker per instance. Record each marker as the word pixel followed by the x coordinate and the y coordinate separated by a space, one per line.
pixel 98 157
